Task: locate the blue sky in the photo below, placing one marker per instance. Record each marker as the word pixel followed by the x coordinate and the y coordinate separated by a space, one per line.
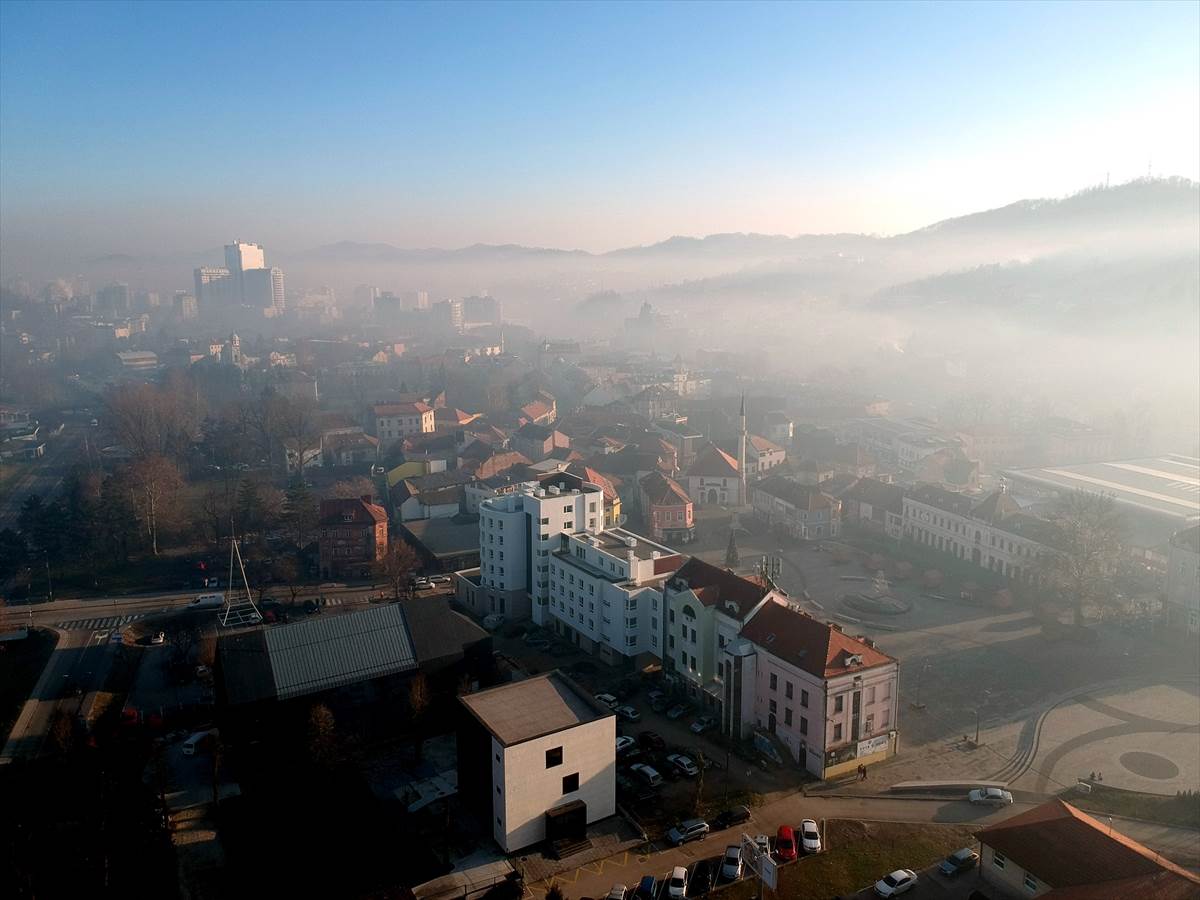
pixel 172 126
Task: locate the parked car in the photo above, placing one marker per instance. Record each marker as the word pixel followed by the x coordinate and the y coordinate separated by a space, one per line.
pixel 628 713
pixel 701 881
pixel 647 888
pixel 730 817
pixel 763 843
pixel 618 892
pixel 422 584
pixel 625 743
pixel 731 864
pixel 683 765
pixel 607 700
pixel 785 843
pixel 810 836
pixel 648 774
pixel 492 621
pixel 159 637
pixel 677 711
pixel 677 886
pixel 703 724
pixel 439 579
pixel 687 830
pixel 959 861
pixel 651 740
pixel 658 701
pixel 895 883
pixel 990 797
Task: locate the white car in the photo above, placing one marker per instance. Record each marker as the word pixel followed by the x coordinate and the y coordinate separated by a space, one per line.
pixel 810 836
pixel 628 713
pixel 731 865
pixel 990 797
pixel 683 765
pixel 624 744
pixel 607 700
pixel 763 843
pixel 618 892
pixel 896 883
pixel 677 887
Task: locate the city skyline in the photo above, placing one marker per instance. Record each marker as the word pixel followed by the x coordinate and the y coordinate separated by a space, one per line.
pixel 573 126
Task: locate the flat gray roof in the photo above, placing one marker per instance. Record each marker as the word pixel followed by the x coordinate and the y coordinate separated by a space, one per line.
pixel 544 704
pixel 1167 485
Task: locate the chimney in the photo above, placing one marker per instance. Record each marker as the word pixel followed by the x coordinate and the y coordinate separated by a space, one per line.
pixel 834 626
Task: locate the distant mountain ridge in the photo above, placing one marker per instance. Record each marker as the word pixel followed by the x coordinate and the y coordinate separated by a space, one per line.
pixel 1148 200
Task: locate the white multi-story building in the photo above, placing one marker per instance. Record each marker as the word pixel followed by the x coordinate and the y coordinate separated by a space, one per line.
pixel 241 256
pixel 537 758
pixel 518 532
pixel 394 421
pixel 993 534
pixel 830 699
pixel 606 593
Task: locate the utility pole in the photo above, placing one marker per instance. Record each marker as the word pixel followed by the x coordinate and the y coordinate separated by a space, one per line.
pixel 49 582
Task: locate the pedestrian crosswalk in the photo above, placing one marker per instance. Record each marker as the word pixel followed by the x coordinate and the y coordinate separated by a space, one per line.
pixel 98 624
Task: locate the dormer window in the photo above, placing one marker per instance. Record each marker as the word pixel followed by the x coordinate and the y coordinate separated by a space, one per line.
pixel 854 659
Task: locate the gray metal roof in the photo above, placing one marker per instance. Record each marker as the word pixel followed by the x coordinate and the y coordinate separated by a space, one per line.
pixel 332 651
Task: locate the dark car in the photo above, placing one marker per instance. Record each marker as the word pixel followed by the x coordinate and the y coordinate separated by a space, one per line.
pixel 959 861
pixel 651 740
pixel 701 880
pixel 730 817
pixel 647 888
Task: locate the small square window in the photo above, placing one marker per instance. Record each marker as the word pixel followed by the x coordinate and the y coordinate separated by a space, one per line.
pixel 554 757
pixel 570 783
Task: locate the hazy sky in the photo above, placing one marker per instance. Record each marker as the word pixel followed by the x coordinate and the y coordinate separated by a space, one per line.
pixel 150 128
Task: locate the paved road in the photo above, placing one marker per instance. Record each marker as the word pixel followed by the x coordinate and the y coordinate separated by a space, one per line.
pixel 44 475
pixel 595 879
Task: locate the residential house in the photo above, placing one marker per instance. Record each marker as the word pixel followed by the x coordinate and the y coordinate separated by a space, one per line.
pixel 434 496
pixel 443 544
pixel 612 499
pixel 394 421
pixel 803 511
pixel 542 411
pixel 831 699
pixel 1183 582
pixel 762 455
pixel 666 509
pixel 777 427
pixel 536 442
pixel 706 608
pixel 349 447
pixel 352 536
pixel 1057 851
pixel 875 505
pixel 537 760
pixel 686 440
pixel 655 402
pixel 713 478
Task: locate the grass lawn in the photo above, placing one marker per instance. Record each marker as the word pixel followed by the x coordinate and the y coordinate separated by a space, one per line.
pixel 858 854
pixel 1170 810
pixel 21 662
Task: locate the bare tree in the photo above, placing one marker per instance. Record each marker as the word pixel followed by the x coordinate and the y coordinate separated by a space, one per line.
pixel 353 488
pixel 322 734
pixel 396 567
pixel 156 481
pixel 1088 546
pixel 287 572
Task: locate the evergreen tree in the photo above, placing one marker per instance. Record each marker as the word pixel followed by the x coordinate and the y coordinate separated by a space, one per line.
pixel 300 511
pixel 249 506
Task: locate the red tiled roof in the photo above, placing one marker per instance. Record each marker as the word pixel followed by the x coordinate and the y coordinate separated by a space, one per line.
pixel 807 643
pixel 587 473
pixel 1083 858
pixel 664 491
pixel 713 462
pixel 713 585
pixel 536 410
pixel 761 444
pixel 402 409
pixel 801 496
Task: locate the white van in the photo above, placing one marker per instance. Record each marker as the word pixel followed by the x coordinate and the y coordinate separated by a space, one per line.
pixel 207 601
pixel 195 742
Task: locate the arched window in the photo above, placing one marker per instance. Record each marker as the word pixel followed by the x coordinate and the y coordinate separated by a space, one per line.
pixel 688 611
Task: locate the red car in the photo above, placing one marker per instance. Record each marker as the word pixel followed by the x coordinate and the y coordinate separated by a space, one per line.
pixel 785 843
